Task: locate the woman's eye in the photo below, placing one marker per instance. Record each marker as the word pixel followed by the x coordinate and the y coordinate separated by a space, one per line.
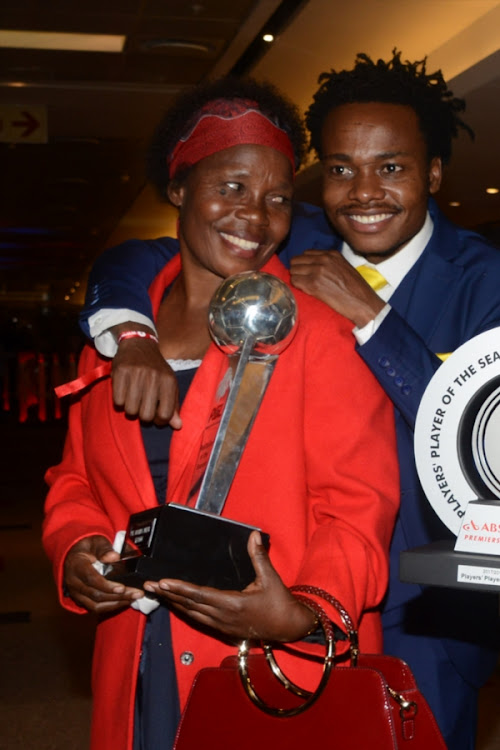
pixel 282 199
pixel 230 188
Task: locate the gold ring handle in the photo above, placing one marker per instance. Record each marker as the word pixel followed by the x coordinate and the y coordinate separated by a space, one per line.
pixel 309 697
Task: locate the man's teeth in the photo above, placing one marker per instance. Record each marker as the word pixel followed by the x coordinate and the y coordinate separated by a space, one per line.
pixel 240 242
pixel 373 219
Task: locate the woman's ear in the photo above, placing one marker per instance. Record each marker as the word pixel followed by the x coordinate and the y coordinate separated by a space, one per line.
pixel 175 193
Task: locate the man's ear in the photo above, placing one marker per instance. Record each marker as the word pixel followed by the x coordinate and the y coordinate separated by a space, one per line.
pixel 435 175
pixel 175 193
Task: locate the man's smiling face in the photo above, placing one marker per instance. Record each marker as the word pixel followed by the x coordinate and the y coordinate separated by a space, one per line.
pixel 377 176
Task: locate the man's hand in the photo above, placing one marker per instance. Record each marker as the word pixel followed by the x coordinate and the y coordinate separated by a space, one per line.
pixel 144 385
pixel 264 610
pixel 329 277
pixel 87 587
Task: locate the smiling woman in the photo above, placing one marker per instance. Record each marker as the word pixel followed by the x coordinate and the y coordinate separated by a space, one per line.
pixel 234 211
pixel 225 156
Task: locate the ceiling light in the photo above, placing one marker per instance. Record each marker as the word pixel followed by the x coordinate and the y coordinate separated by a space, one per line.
pixel 454 203
pixel 55 40
pixel 492 191
pixel 188 45
pixel 268 38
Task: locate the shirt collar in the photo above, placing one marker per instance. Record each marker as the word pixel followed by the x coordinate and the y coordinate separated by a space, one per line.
pixel 395 268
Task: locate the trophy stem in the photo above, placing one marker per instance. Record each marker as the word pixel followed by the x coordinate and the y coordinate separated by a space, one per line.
pixel 249 384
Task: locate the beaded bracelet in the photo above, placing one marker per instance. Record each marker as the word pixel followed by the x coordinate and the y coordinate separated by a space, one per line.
pixel 137 335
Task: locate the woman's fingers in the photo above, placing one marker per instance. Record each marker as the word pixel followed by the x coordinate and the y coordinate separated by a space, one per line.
pixel 265 609
pixel 85 584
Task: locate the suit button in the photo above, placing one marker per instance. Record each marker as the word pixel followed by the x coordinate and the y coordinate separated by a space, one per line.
pixel 406 390
pixel 384 362
pixel 391 372
pixel 187 658
pixel 399 381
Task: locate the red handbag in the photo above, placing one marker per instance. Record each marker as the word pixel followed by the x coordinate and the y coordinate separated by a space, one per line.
pixel 248 702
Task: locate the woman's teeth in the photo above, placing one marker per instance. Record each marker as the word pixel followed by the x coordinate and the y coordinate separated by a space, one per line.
pixel 240 242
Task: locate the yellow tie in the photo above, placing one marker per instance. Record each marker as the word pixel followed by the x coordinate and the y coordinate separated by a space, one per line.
pixel 373 277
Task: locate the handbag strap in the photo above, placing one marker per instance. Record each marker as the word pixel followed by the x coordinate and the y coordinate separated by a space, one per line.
pixel 347 622
pixel 322 621
pixel 310 698
pixel 407 708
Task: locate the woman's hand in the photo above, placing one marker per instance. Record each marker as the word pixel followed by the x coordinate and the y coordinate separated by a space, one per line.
pixel 87 587
pixel 264 610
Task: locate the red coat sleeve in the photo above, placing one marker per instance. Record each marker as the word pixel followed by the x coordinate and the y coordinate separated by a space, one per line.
pixel 350 437
pixel 73 509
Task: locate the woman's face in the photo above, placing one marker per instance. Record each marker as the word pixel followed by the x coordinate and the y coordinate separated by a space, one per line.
pixel 234 210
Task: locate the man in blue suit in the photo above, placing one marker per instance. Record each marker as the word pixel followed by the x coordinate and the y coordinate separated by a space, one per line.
pixel 382 132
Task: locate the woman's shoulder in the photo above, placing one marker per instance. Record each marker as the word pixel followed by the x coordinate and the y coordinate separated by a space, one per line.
pixel 313 314
pixel 319 321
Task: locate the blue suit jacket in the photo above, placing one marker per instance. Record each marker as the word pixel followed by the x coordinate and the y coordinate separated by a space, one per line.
pixel 451 294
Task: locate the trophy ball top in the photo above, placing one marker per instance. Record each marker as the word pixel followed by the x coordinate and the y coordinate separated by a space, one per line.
pixel 253 304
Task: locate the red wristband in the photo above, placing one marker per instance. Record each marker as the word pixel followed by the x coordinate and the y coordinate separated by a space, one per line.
pixel 136 335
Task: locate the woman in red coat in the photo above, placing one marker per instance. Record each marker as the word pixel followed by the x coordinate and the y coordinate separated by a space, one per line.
pixel 319 471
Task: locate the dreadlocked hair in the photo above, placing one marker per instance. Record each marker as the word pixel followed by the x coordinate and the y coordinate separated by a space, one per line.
pixel 392 82
pixel 184 109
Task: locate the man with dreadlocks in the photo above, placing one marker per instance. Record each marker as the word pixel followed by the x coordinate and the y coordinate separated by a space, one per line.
pixel 382 132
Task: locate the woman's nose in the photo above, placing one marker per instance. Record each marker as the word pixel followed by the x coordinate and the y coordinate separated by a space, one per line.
pixel 254 210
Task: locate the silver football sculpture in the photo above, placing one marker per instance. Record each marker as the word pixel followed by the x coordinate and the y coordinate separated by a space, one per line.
pixel 253 304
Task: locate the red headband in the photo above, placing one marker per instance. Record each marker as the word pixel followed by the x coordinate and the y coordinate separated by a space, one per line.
pixel 224 123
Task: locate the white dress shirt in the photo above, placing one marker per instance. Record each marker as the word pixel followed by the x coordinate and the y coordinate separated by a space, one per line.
pixel 394 269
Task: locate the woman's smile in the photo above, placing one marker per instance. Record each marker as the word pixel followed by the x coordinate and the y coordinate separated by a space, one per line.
pixel 247 246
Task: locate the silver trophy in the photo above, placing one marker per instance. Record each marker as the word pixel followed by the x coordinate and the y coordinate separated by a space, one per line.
pixel 252 318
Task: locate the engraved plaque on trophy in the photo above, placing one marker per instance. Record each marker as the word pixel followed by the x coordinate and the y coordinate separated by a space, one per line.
pixel 252 318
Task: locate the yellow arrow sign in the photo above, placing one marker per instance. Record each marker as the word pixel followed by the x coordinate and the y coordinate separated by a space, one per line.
pixel 20 124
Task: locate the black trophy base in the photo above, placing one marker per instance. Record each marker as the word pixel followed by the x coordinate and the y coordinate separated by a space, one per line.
pixel 438 564
pixel 174 541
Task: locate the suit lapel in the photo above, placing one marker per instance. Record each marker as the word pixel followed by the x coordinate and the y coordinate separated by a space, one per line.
pixel 422 297
pixel 129 444
pixel 195 413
